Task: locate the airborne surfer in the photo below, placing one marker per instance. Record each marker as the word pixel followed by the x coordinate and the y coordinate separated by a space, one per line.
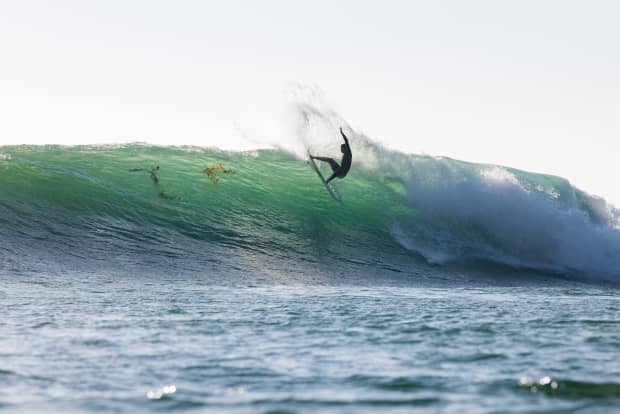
pixel 342 169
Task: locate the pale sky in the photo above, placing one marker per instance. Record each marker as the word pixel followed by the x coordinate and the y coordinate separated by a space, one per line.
pixel 528 84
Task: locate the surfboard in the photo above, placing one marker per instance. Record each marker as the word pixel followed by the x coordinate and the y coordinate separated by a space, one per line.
pixel 332 192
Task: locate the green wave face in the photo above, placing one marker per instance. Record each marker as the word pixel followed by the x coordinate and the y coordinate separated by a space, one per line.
pixel 266 212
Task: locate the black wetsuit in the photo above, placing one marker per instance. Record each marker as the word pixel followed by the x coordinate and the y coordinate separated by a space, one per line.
pixel 342 169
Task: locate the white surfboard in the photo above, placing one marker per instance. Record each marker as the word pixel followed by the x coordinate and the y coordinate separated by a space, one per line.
pixel 332 192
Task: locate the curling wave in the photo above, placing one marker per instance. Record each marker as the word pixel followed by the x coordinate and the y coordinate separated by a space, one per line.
pixel 82 208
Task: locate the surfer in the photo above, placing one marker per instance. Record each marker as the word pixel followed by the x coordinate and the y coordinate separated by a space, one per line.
pixel 342 169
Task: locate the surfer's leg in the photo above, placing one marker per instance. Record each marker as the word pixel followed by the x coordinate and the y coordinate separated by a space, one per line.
pixel 336 174
pixel 332 163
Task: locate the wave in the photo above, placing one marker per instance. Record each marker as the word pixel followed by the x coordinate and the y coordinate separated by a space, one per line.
pixel 83 207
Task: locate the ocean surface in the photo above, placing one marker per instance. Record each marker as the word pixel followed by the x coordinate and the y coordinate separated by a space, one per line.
pixel 235 284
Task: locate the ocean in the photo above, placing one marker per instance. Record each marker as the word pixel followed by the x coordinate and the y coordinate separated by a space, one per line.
pixel 236 284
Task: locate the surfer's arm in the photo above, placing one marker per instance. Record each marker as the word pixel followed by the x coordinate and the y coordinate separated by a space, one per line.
pixel 344 136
